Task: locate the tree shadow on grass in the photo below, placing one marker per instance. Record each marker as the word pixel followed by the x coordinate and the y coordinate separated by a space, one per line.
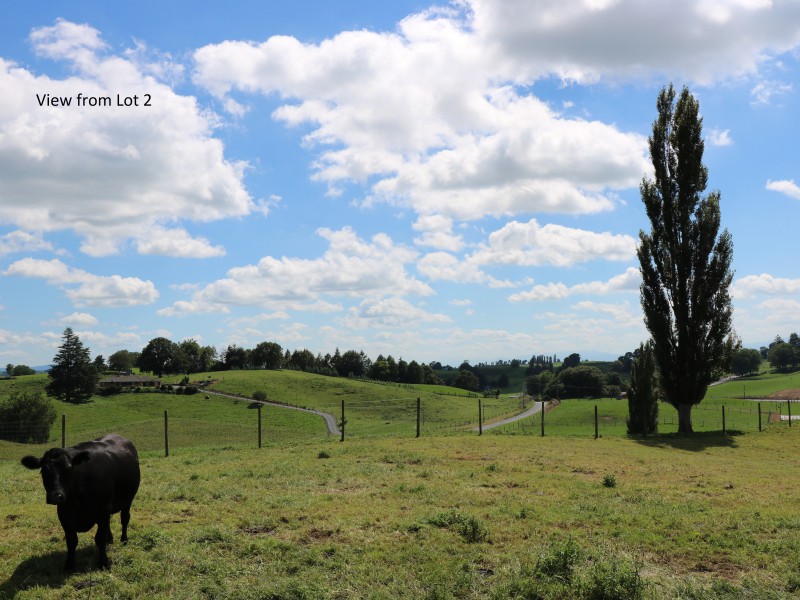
pixel 46 571
pixel 696 442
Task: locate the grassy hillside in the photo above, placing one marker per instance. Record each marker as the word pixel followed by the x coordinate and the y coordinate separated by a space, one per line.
pixel 443 517
pixel 371 408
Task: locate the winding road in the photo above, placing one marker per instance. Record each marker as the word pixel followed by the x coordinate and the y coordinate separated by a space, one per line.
pixel 537 407
pixel 330 420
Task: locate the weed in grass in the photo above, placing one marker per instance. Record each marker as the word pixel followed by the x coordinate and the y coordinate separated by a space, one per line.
pixel 323 454
pixel 614 579
pixel 470 528
pixel 560 560
pixel 609 481
pixel 793 582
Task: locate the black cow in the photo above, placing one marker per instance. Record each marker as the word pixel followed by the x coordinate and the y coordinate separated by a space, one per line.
pixel 88 483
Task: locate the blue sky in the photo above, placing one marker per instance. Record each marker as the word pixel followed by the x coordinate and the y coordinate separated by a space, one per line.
pixel 433 181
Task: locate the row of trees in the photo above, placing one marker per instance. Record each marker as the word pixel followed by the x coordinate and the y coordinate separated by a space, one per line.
pixel 19 370
pixel 575 382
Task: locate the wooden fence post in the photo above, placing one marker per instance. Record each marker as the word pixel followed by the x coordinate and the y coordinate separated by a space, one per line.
pixel 759 416
pixel 542 418
pixel 789 407
pixel 259 425
pixel 419 415
pixel 342 437
pixel 480 418
pixel 596 425
pixel 63 431
pixel 166 434
pixel 723 419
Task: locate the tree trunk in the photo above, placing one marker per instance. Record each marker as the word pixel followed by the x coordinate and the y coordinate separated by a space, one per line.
pixel 685 418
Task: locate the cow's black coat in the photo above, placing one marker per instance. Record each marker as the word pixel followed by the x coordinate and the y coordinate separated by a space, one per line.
pixel 88 483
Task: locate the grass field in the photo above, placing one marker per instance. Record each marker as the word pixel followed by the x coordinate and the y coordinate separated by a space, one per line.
pixel 371 409
pixel 443 516
pixel 440 517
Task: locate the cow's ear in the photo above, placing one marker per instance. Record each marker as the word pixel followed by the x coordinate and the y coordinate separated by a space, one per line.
pixel 80 457
pixel 31 462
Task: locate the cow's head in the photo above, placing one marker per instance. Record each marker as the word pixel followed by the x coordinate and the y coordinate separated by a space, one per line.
pixel 56 466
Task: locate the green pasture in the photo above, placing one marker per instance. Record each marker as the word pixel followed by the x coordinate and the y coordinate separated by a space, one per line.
pixel 575 417
pixel 371 408
pixel 439 517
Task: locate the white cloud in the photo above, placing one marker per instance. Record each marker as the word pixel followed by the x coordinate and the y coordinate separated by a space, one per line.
pixel 713 39
pixel 785 186
pixel 550 291
pixel 764 284
pixel 461 302
pixel 717 137
pixel 764 92
pixel 108 172
pixel 437 232
pixel 91 290
pixel 628 281
pixel 175 242
pixel 529 244
pixel 389 312
pixel 621 313
pixel 80 319
pixel 22 241
pixel 431 115
pixel 349 268
pixel 443 266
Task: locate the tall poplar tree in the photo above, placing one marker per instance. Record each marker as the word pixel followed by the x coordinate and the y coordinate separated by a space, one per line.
pixel 73 377
pixel 685 260
pixel 643 393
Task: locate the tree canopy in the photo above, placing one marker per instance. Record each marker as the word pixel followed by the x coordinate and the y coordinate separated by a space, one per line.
pixel 685 260
pixel 73 377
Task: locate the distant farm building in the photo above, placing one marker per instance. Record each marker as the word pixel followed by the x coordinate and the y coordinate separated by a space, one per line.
pixel 119 382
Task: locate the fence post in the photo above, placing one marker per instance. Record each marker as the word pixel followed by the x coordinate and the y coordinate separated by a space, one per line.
pixel 166 434
pixel 63 431
pixel 759 416
pixel 480 418
pixel 259 425
pixel 596 426
pixel 789 406
pixel 419 415
pixel 342 437
pixel 542 418
pixel 723 419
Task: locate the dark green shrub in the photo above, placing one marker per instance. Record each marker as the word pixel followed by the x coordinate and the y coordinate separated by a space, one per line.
pixel 26 417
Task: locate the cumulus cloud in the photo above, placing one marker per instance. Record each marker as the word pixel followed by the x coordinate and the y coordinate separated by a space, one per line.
pixel 785 186
pixel 436 231
pixel 764 284
pixel 530 244
pixel 22 241
pixel 443 266
pixel 91 290
pixel 175 242
pixel 108 172
pixel 713 39
pixel 350 268
pixel 718 137
pixel 389 312
pixel 80 319
pixel 628 281
pixel 433 117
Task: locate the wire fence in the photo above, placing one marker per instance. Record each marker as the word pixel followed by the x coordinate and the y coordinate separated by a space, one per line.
pixel 402 417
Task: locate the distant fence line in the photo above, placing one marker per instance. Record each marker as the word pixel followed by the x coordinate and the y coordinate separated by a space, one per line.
pixel 156 435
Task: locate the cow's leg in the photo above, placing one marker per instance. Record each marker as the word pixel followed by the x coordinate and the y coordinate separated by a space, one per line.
pixel 125 518
pixel 101 539
pixel 71 537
